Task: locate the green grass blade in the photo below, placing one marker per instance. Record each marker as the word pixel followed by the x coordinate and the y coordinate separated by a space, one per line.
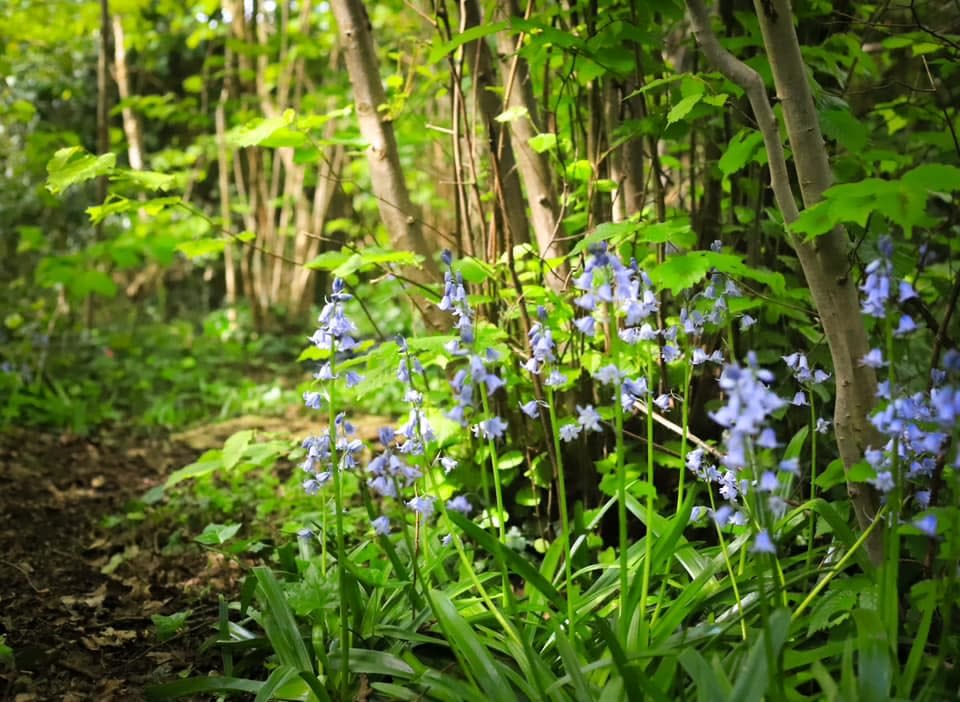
pixel 279 623
pixel 194 686
pixel 479 663
pixel 709 686
pixel 754 677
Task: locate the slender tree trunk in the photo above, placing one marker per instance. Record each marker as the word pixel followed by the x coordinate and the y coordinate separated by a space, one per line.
pixel 386 174
pixel 506 177
pixel 825 263
pixel 534 167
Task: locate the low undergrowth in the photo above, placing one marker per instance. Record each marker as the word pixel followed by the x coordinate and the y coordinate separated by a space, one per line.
pixel 616 493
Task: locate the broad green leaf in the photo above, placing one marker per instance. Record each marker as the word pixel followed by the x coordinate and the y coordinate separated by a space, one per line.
pixel 543 142
pixel 831 610
pixel 329 260
pixel 258 130
pixel 207 463
pixel 614 232
pixel 739 151
pixel 202 247
pixel 683 107
pixel 478 32
pixel 151 180
pixel 512 114
pixel 284 137
pixel 841 126
pixel 234 447
pixel 73 165
pixel 933 177
pixel 168 625
pixel 580 171
pixel 674 231
pixel 217 534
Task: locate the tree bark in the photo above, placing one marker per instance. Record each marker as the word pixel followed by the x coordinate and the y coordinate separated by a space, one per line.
pixel 386 174
pixel 504 165
pixel 534 167
pixel 825 262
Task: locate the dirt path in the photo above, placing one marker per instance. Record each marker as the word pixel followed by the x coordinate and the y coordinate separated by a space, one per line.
pixel 77 598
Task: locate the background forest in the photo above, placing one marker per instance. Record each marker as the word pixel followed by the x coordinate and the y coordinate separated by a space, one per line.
pixel 578 350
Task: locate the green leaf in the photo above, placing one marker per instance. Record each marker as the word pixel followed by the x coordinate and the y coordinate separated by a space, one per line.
pixel 509 460
pixel 207 463
pixel 683 107
pixel 477 32
pixel 841 126
pixel 754 676
pixel 831 610
pixel 257 131
pixel 580 171
pixel 512 114
pixel 151 180
pixel 933 177
pixel 479 662
pixel 217 534
pixel 329 260
pixel 279 624
pixel 194 686
pixel 169 625
pixel 739 151
pixel 875 664
pixel 543 142
pixel 674 231
pixel 202 247
pixel 73 165
pixel 709 686
pixel 234 447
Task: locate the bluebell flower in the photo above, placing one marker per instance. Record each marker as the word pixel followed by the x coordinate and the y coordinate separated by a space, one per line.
pixel 608 375
pixel 883 482
pixel 422 505
pixel 823 425
pixel 763 543
pixel 588 418
pixel 448 464
pixel 905 326
pixel 569 432
pixel 746 321
pixel 768 482
pixel 381 525
pixel 313 400
pixel 662 402
pixel 532 408
pixel 670 353
pixel 493 428
pixel 555 379
pixel 922 498
pixel 873 359
pixel 790 465
pixel 927 525
pixel 723 515
pixel 459 504
pixel 586 325
pixel 799 399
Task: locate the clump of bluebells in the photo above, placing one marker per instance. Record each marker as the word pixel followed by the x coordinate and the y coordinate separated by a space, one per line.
pixel 396 472
pixel 917 426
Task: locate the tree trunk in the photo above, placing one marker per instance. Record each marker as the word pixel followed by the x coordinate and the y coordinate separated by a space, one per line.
pixel 825 262
pixel 386 174
pixel 534 167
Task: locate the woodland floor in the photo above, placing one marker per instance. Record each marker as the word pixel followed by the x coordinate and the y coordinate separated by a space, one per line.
pixel 76 598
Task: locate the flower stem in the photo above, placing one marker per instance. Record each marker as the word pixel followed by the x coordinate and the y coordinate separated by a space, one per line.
pixel 340 534
pixel 564 517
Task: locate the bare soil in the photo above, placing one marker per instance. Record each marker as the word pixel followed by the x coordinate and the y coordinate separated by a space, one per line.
pixel 77 597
